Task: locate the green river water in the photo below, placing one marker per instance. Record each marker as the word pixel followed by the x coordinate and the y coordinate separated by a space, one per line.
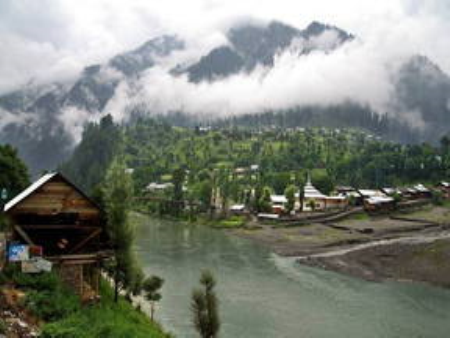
pixel 263 295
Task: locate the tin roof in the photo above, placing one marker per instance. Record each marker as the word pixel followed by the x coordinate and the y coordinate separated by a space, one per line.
pixel 28 191
pixel 39 183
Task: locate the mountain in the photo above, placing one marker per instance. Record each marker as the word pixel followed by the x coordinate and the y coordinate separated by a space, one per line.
pixel 45 121
pixel 36 119
pixel 252 45
pixel 423 93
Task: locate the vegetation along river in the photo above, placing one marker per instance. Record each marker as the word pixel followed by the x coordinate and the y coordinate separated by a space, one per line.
pixel 264 295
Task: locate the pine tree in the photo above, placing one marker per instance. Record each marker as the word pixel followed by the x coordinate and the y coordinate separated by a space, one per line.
pixel 289 193
pixel 151 287
pixel 204 307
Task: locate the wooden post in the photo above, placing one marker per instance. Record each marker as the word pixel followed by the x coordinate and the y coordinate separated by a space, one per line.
pixel 81 280
pixel 97 278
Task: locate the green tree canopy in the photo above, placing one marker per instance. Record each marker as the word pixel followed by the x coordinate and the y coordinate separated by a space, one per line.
pixel 117 196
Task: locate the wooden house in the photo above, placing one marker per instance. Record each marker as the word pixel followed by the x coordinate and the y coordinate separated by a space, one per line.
pixel 379 204
pixel 66 225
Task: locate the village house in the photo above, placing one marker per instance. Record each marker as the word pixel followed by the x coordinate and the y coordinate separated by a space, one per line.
pixel 54 225
pixel 444 187
pixel 392 192
pixel 237 209
pixel 379 204
pixel 376 200
pixel 350 193
pixel 154 186
pixel 369 193
pixel 314 199
pixel 422 191
pixel 278 203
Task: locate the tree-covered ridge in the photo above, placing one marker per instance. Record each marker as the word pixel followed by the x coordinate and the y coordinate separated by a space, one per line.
pixel 92 157
pixel 225 156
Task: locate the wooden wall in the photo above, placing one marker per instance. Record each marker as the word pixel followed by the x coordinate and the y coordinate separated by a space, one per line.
pixel 54 197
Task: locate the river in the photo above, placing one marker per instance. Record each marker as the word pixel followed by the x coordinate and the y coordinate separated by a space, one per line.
pixel 266 296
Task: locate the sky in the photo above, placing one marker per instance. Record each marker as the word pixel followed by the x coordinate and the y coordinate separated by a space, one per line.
pixel 53 40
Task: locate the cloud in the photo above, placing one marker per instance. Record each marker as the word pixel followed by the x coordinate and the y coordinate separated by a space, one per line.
pixel 354 72
pixel 54 39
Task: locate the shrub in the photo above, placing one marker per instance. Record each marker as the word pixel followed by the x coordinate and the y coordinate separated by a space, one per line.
pixel 52 305
pixel 39 282
pixel 2 326
pixel 437 198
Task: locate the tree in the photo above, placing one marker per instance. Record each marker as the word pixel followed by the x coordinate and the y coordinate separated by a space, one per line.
pixel 204 307
pixel 13 172
pixel 265 201
pixel 289 193
pixel 178 177
pixel 324 183
pixel 224 184
pixel 117 196
pixel 301 197
pixel 203 191
pixel 93 156
pixel 151 287
pixel 312 205
pixel 13 176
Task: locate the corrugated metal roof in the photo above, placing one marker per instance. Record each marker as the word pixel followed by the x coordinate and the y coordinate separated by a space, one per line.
pixel 24 194
pixel 280 199
pixel 312 192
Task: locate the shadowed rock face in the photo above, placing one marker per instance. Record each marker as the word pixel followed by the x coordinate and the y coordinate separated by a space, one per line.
pixel 221 62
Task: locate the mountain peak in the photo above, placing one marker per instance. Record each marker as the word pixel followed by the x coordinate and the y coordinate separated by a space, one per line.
pixel 143 57
pixel 316 28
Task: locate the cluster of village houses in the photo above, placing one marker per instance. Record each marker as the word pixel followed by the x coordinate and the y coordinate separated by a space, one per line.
pixel 373 200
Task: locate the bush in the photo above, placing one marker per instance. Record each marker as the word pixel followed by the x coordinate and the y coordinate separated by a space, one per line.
pixel 38 282
pixel 2 326
pixel 52 305
pixel 232 222
pixel 3 279
pixel 437 198
pixel 46 297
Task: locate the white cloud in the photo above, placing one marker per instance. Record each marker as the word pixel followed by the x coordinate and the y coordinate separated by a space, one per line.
pixel 355 72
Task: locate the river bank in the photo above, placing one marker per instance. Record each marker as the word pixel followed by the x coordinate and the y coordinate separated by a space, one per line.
pixel 413 246
pixel 415 259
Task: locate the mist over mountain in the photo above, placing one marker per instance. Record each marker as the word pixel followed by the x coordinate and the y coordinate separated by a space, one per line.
pixel 251 46
pixel 261 74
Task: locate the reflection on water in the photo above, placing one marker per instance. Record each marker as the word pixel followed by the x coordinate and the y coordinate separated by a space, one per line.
pixel 263 295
